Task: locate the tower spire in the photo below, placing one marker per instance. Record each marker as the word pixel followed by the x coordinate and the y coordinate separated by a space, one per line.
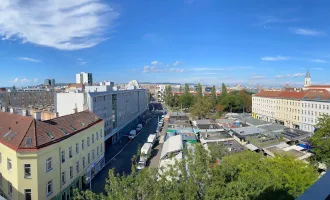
pixel 308 75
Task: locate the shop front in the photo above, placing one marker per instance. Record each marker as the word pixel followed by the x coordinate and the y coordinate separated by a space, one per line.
pixel 94 168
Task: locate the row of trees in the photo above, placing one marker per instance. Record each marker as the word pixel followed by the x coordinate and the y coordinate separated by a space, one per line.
pixel 244 175
pixel 199 105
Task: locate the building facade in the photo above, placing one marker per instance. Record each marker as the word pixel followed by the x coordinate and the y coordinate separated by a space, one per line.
pixel 84 78
pixel 120 109
pixel 298 109
pixel 49 159
pixel 23 99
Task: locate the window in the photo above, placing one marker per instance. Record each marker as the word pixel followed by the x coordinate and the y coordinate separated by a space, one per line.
pixel 9 165
pixel 27 171
pixel 93 138
pixel 88 141
pixel 97 135
pixel 97 150
pixel 10 188
pixel 48 164
pixel 77 166
pixel 101 148
pixel 63 178
pixel 49 188
pixel 28 194
pixel 71 192
pixel 71 172
pixel 77 148
pixel 89 158
pixel 101 133
pixel 0 157
pixel 70 152
pixel 82 145
pixel 63 156
pixel 0 180
pixel 83 162
pixel 93 154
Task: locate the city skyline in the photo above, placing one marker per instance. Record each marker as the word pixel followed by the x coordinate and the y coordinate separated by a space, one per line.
pixel 177 41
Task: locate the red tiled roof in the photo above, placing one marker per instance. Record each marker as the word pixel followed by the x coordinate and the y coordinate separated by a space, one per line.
pixel 318 86
pixel 317 94
pixel 263 93
pixel 291 95
pixel 77 85
pixel 19 132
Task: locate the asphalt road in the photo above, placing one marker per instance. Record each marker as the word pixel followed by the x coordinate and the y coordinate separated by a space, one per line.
pixel 122 162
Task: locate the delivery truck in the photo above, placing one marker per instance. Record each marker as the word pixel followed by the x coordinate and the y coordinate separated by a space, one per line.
pixel 144 156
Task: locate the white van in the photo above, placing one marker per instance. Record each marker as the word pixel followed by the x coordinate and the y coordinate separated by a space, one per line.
pixel 145 154
pixel 152 139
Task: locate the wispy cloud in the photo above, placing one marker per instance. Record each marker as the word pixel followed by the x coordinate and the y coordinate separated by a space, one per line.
pixel 275 58
pixel 28 59
pixel 319 61
pixel 155 62
pixel 35 80
pixel 307 32
pixel 290 75
pixel 61 24
pixel 266 20
pixel 257 77
pixel 176 63
pixel 218 69
pixel 176 70
pixel 316 68
pixel 17 80
pixel 81 61
pixel 157 69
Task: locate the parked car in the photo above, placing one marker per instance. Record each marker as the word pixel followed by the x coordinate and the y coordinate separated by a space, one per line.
pixel 139 127
pixel 132 134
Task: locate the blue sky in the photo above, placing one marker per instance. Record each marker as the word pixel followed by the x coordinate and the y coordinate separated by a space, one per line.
pixel 250 42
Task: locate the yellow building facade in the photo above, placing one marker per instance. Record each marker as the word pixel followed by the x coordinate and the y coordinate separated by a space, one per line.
pixel 49 159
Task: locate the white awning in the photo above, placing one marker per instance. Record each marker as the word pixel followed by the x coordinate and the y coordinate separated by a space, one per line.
pixel 251 147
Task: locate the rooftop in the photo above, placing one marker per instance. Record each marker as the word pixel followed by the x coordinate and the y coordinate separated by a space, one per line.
pixel 209 126
pixel 294 134
pixel 217 135
pixel 249 130
pixel 19 132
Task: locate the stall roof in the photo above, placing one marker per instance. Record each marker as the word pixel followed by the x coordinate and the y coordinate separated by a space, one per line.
pixel 172 144
pixel 251 147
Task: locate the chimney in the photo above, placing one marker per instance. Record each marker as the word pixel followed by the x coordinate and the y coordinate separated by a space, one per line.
pixel 3 109
pixel 37 115
pixel 24 111
pixel 11 110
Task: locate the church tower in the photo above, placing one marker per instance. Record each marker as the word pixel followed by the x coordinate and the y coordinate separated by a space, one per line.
pixel 308 81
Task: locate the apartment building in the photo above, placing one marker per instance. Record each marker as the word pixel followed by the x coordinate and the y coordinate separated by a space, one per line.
pixel 84 78
pixel 25 98
pixel 120 109
pixel 42 160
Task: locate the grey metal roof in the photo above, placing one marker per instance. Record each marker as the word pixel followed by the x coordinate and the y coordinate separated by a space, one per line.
pixel 249 130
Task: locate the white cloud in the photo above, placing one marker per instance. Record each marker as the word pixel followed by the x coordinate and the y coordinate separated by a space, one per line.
pixel 275 58
pixel 81 61
pixel 317 68
pixel 319 61
pixel 307 32
pixel 148 69
pixel 61 24
pixel 155 62
pixel 298 74
pixel 154 69
pixel 24 80
pixel 257 77
pixel 218 69
pixel 290 75
pixel 35 80
pixel 176 63
pixel 176 70
pixel 28 59
pixel 14 81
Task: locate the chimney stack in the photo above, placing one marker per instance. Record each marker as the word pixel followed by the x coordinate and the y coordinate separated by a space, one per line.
pixel 37 115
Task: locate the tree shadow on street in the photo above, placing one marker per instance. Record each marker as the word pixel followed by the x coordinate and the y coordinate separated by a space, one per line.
pixel 271 194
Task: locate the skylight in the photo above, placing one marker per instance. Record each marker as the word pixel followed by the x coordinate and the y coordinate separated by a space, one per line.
pixel 12 136
pixel 64 131
pixel 7 134
pixel 73 128
pixel 50 135
pixel 28 141
pixel 82 123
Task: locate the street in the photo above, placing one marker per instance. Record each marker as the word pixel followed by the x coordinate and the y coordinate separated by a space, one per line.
pixel 122 162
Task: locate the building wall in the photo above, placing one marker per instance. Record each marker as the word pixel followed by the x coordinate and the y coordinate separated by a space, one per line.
pixel 311 111
pixel 67 102
pixel 288 112
pixel 39 176
pixel 264 108
pixel 27 98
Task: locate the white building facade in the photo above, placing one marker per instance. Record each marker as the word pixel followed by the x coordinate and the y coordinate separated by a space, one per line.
pixel 84 78
pixel 311 110
pixel 264 108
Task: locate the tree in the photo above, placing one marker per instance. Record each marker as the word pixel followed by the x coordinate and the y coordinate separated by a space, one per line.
pixel 187 100
pixel 321 140
pixel 168 96
pixel 186 88
pixel 244 175
pixel 223 89
pixel 214 97
pixel 199 91
pixel 201 108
